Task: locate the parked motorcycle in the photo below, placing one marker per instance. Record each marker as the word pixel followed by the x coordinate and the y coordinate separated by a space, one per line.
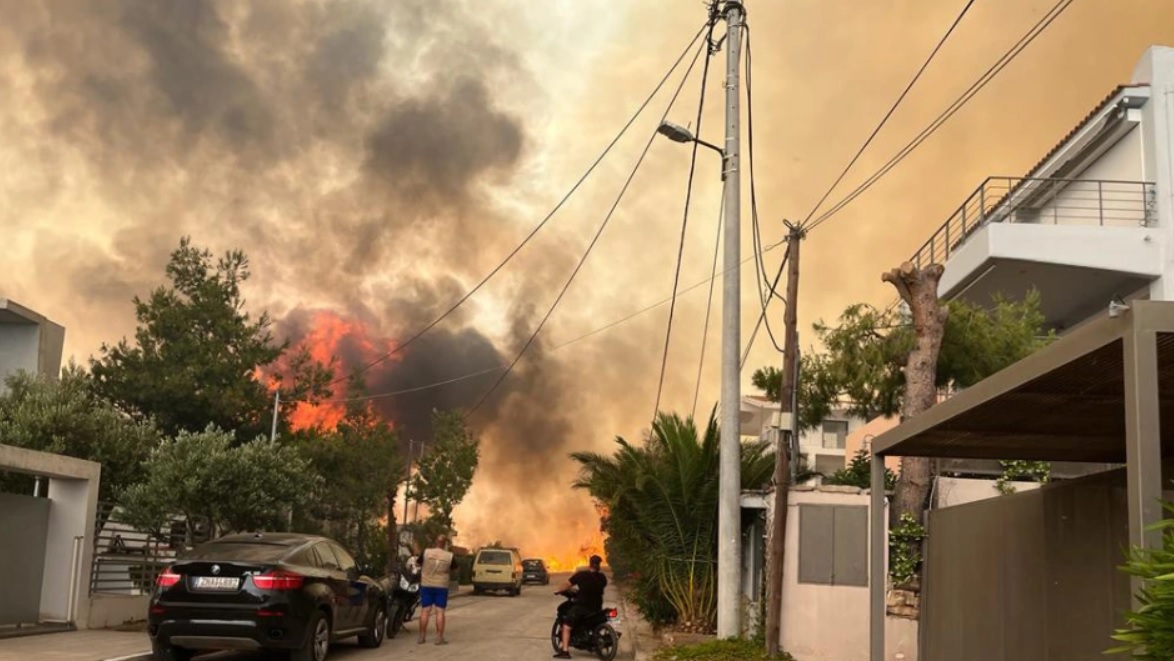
pixel 403 598
pixel 596 634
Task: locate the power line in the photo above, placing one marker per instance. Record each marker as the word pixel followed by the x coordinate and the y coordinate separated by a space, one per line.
pixel 594 240
pixel 403 345
pixel 889 114
pixel 764 298
pixel 762 318
pixel 983 80
pixel 668 333
pixel 644 310
pixel 717 241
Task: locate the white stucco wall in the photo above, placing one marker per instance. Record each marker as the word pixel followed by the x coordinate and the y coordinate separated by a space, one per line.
pixel 831 623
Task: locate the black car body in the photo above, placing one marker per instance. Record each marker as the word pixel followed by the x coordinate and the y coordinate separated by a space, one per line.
pixel 265 591
pixel 534 571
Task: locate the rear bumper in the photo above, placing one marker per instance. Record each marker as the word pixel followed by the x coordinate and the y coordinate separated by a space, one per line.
pixel 282 632
pixel 535 578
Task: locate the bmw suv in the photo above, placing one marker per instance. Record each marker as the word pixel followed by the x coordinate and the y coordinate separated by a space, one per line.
pixel 264 591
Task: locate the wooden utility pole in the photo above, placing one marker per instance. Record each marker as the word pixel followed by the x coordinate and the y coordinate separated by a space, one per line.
pixel 782 476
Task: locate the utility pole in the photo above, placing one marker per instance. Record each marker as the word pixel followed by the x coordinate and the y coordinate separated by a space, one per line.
pixel 729 556
pixel 786 436
pixel 408 482
pixel 276 407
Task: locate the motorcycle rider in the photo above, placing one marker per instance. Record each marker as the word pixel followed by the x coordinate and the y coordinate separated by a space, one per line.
pixel 436 573
pixel 590 584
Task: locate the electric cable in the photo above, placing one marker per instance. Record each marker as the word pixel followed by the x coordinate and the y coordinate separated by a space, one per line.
pixel 603 225
pixel 717 241
pixel 977 86
pixel 668 333
pixel 403 345
pixel 884 120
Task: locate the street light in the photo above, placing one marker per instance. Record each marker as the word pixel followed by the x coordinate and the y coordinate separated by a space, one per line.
pixel 678 133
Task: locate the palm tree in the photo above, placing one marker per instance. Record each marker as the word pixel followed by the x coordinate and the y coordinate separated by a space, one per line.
pixel 661 502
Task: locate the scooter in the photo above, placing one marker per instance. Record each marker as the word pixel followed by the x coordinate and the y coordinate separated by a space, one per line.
pixel 403 598
pixel 596 634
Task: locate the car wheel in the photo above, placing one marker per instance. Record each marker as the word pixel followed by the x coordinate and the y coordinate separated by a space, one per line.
pixel 317 643
pixel 167 652
pixel 373 636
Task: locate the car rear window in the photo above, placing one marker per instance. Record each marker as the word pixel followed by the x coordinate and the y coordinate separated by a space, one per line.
pixel 495 558
pixel 532 564
pixel 242 551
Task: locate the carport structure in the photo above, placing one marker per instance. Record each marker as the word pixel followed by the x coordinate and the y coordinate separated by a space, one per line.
pixel 1099 394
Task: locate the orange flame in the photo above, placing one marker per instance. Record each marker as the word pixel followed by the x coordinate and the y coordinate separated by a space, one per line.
pixel 329 334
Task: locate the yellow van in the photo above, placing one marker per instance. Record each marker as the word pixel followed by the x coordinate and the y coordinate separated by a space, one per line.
pixel 498 569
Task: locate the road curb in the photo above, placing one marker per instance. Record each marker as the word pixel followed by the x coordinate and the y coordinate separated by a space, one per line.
pixel 141 656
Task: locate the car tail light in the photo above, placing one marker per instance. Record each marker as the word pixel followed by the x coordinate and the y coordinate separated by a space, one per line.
pixel 167 579
pixel 613 613
pixel 278 580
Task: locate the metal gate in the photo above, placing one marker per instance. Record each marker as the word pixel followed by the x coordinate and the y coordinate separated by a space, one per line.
pixel 24 529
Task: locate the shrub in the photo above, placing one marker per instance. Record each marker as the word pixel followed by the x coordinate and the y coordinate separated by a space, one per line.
pixel 733 649
pixel 1150 634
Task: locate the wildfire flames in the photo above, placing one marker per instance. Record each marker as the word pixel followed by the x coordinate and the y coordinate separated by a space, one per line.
pixel 344 344
pixel 574 559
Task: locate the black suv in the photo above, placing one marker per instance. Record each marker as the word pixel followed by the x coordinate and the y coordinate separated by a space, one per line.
pixel 534 571
pixel 264 591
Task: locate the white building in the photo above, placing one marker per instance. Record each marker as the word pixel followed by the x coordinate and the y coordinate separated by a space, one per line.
pixel 28 341
pixel 1091 223
pixel 822 448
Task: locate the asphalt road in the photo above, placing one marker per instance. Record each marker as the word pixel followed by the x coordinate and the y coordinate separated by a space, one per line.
pixel 487 628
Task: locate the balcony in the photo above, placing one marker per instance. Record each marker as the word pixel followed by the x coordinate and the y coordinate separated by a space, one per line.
pixel 1079 241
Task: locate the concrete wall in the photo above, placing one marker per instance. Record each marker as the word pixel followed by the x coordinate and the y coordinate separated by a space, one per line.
pixel 863 435
pixel 953 491
pixel 111 610
pixel 830 623
pixel 73 496
pixel 28 342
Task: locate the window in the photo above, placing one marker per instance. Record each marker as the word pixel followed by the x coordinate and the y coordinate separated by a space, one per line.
pixel 326 557
pixel 835 433
pixel 344 559
pixel 833 544
pixel 495 558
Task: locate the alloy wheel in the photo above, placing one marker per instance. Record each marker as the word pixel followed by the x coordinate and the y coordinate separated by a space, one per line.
pixel 321 640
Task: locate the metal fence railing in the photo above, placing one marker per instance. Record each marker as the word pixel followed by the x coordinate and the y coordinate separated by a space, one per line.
pixel 127 560
pixel 1041 201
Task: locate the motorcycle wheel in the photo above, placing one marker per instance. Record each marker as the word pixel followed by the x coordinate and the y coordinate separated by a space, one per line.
pixel 395 620
pixel 556 636
pixel 607 643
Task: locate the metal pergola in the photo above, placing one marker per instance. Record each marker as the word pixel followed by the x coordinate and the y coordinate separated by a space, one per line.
pixel 1098 394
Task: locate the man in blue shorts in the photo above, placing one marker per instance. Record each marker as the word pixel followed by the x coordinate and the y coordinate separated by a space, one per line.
pixel 435 575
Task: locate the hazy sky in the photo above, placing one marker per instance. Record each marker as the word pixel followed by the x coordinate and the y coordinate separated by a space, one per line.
pixel 375 159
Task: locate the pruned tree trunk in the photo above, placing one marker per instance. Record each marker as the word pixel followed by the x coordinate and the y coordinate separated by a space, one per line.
pixel 919 289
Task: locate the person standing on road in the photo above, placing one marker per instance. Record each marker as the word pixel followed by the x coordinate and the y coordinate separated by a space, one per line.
pixel 590 584
pixel 435 575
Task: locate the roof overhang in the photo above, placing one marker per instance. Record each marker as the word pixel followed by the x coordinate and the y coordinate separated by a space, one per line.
pixel 1117 114
pixel 1065 402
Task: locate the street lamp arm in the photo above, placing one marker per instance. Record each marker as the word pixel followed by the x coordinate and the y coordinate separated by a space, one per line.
pixel 711 146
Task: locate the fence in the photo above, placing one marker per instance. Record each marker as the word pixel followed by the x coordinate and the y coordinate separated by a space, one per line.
pixel 127 560
pixel 1047 201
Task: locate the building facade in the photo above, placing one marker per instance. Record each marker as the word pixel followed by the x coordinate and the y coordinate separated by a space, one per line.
pixel 28 341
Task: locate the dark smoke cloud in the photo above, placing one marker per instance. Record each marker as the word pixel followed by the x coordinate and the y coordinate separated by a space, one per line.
pixel 350 148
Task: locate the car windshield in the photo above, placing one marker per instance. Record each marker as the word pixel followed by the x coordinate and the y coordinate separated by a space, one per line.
pixel 494 558
pixel 532 564
pixel 240 551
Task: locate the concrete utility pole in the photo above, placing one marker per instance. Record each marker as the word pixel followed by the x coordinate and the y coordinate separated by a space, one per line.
pixel 729 556
pixel 276 410
pixel 787 431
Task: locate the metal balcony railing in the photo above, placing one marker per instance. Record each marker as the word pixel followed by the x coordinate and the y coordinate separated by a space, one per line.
pixel 127 560
pixel 1041 201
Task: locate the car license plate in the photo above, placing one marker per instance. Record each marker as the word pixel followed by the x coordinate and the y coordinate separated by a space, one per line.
pixel 215 583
